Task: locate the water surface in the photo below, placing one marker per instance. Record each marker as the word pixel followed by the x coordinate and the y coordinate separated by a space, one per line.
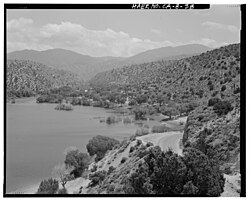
pixel 37 136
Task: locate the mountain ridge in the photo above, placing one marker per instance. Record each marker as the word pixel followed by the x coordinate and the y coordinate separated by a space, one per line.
pixel 87 66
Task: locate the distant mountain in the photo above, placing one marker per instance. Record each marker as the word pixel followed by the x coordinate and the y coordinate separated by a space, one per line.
pixel 27 78
pixel 56 57
pixel 87 66
pixel 168 52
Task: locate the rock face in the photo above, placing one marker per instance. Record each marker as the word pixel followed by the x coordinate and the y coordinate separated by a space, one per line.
pixel 26 78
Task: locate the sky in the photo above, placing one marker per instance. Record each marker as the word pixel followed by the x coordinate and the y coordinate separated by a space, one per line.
pixel 121 33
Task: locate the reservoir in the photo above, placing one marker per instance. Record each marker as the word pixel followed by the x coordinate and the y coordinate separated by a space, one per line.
pixel 37 135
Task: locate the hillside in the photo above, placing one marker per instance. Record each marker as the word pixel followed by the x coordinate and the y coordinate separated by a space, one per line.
pixel 188 78
pixel 87 66
pixel 213 75
pixel 164 52
pixel 27 78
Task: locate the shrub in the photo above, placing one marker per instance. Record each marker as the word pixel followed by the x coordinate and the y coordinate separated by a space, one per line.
pixel 49 186
pixel 127 120
pixel 223 88
pixel 94 168
pixel 211 87
pixel 63 106
pixel 123 160
pixel 138 143
pixel 142 131
pixel 131 149
pixel 62 191
pixel 237 90
pixel 159 129
pixel 99 145
pixel 149 144
pixel 97 177
pixel 111 169
pixel 111 119
pixel 213 101
pixel 215 93
pixel 222 107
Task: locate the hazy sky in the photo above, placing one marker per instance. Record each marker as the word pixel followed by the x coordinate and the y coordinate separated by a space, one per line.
pixel 121 32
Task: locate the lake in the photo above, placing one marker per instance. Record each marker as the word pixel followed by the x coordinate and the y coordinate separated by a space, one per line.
pixel 37 136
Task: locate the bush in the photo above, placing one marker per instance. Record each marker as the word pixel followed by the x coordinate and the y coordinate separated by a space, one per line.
pixel 99 145
pixel 63 106
pixel 223 88
pixel 62 191
pixel 237 90
pixel 111 169
pixel 222 108
pixel 127 120
pixel 149 144
pixel 97 177
pixel 159 129
pixel 142 131
pixel 49 186
pixel 123 160
pixel 138 143
pixel 111 119
pixel 78 160
pixel 94 168
pixel 213 101
pixel 131 149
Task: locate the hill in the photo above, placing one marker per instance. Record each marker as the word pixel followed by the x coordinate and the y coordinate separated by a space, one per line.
pixel 87 66
pixel 26 78
pixel 211 79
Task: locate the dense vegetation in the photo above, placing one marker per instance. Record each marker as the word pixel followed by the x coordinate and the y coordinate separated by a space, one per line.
pixel 149 170
pixel 99 145
pixel 49 186
pixel 78 161
pixel 184 80
pixel 168 173
pixel 26 78
pixel 206 88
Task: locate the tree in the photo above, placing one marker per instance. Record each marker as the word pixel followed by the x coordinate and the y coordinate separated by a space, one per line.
pixel 203 172
pixel 169 111
pixel 213 101
pixel 139 113
pixel 167 173
pixel 62 173
pixel 49 186
pixel 222 107
pixel 78 160
pixel 99 145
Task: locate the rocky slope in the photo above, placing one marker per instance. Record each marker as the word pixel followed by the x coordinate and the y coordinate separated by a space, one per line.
pixel 26 78
pixel 198 76
pixel 214 74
